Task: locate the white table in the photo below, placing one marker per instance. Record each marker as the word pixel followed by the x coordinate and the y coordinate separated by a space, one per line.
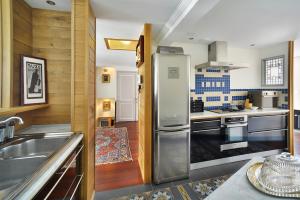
pixel 237 187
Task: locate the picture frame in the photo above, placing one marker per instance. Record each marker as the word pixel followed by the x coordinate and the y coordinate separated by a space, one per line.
pixel 106 106
pixel 33 80
pixel 140 52
pixel 105 78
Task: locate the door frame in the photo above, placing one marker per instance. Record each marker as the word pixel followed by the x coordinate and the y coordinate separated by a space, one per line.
pixel 136 93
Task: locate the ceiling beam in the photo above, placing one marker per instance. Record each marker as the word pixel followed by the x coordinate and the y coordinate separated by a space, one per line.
pixel 178 15
pixel 181 12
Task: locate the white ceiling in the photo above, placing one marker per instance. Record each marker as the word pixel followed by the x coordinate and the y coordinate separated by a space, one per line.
pixel 61 5
pixel 115 29
pixel 241 22
pixel 125 19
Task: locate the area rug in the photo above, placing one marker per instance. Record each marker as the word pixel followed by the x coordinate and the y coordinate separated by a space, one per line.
pixel 187 191
pixel 112 146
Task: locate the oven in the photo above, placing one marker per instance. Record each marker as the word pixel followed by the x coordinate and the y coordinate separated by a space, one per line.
pixel 234 131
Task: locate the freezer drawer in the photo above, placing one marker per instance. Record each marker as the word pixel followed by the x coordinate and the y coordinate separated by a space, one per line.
pixel 267 122
pixel 171 156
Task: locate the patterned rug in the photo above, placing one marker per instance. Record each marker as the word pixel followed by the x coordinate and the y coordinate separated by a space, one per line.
pixel 188 191
pixel 112 146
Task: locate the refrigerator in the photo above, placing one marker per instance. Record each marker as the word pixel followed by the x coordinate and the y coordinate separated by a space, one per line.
pixel 171 119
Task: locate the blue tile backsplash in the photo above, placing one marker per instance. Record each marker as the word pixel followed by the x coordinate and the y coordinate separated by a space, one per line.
pixel 212 86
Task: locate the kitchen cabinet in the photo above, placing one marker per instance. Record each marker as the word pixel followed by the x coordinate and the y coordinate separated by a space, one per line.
pixel 65 183
pixel 267 122
pixel 267 132
pixel 205 140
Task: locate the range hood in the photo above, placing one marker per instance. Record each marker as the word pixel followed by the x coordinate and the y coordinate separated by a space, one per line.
pixel 217 58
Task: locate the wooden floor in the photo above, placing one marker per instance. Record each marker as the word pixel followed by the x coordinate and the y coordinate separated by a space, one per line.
pixel 112 176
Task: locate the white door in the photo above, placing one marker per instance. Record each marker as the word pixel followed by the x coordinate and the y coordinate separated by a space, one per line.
pixel 126 96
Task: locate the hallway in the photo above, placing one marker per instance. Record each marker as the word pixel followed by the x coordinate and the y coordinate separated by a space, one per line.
pixel 122 174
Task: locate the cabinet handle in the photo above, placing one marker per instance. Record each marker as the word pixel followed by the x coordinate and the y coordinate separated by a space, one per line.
pixel 283 115
pixel 193 122
pixel 63 173
pixel 216 129
pixel 267 131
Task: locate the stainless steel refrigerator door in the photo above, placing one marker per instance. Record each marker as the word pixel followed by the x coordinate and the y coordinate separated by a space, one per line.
pixel 171 155
pixel 171 91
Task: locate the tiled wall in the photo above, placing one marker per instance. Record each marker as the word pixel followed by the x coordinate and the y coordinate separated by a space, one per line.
pixel 212 86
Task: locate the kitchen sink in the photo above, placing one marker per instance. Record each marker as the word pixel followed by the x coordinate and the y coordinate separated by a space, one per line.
pixel 13 171
pixel 24 155
pixel 32 147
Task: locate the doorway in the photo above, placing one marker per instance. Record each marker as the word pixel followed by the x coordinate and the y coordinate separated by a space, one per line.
pixel 117 133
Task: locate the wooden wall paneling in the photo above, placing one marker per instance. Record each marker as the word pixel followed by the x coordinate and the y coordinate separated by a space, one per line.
pixel 7 61
pixel 22 42
pixel 291 143
pixel 145 109
pixel 83 87
pixel 52 41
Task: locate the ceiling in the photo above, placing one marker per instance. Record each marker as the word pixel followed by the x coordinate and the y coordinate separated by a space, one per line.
pixel 115 29
pixel 241 22
pixel 124 19
pixel 61 5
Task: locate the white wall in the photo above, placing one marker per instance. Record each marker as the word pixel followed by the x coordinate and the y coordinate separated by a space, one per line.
pixel 106 90
pixel 249 78
pixel 198 53
pixel 277 50
pixel 297 75
pixel 109 90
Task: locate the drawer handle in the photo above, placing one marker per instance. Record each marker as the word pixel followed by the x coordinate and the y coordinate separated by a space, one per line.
pixel 206 121
pixel 277 130
pixel 216 129
pixel 283 115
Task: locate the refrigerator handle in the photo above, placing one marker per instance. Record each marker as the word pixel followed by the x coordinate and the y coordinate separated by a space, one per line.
pixel 172 128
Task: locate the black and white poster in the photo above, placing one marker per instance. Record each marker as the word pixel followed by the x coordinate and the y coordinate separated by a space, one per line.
pixel 33 80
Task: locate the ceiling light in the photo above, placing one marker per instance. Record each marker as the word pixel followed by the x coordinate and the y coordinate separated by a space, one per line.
pixel 120 44
pixel 51 3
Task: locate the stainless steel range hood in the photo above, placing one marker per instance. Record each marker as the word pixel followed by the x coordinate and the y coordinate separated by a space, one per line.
pixel 217 58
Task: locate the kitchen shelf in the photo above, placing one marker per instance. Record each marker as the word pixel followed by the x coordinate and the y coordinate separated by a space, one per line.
pixel 21 109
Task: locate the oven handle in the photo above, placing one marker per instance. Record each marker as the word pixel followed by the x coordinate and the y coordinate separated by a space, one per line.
pixel 234 125
pixel 236 145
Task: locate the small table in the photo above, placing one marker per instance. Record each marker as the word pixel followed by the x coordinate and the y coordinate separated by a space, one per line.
pixel 106 121
pixel 238 187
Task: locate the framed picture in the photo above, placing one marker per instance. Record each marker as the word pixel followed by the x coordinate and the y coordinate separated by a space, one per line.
pixel 105 78
pixel 140 52
pixel 33 81
pixel 106 106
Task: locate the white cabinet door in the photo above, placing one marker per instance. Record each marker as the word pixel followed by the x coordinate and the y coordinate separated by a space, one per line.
pixel 126 96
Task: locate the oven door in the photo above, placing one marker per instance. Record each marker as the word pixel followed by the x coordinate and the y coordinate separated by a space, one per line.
pixel 235 136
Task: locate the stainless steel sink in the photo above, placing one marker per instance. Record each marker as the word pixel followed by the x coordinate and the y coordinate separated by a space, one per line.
pixel 22 156
pixel 13 171
pixel 32 147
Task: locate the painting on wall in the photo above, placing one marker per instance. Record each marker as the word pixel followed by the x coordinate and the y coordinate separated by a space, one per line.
pixel 33 80
pixel 140 52
pixel 105 78
pixel 106 106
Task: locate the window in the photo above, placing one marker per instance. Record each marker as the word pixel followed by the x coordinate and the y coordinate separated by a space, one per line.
pixel 273 69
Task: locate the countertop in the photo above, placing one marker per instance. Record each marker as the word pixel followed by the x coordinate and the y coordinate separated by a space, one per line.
pixel 209 114
pixel 238 187
pixel 29 187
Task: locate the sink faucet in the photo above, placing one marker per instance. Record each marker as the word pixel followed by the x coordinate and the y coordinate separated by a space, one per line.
pixel 7 127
